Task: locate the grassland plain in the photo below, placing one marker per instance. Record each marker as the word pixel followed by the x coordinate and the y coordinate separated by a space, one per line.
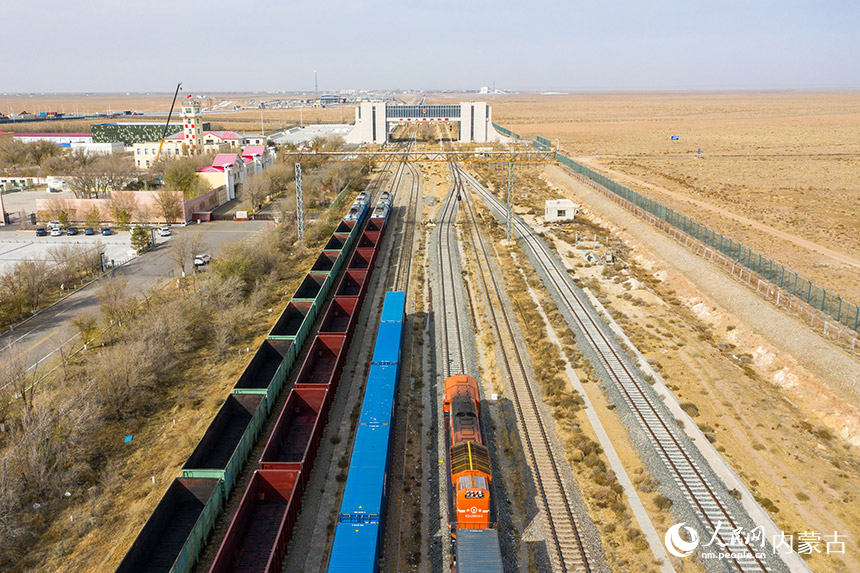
pixel 783 161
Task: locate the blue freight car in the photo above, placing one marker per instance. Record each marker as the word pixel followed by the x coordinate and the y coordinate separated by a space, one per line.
pixel 355 548
pixel 357 541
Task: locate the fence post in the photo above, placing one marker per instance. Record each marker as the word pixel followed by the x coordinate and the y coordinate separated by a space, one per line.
pixel 809 294
pixel 823 298
pixel 782 278
pixel 856 317
pixel 795 284
pixel 839 312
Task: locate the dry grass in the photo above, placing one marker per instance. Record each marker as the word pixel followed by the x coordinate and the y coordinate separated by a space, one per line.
pixel 789 160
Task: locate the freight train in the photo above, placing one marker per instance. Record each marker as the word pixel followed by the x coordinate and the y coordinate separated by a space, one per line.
pixel 358 535
pixel 473 533
pixel 176 532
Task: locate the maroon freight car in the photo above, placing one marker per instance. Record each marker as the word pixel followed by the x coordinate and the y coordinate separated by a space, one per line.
pixel 341 316
pixel 362 259
pixel 375 225
pixel 323 363
pixel 296 436
pixel 261 529
pixel 368 239
pixel 353 284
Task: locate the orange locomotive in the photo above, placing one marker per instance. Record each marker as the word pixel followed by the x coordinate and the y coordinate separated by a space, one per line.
pixel 471 475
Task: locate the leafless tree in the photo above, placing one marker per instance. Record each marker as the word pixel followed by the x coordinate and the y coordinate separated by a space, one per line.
pixel 115 304
pixel 256 189
pixel 87 326
pixel 121 207
pixel 170 205
pixel 180 249
pixel 198 244
pixel 57 206
pixel 105 174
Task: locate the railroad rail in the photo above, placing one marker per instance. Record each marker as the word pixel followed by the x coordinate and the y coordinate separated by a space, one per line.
pixel 565 532
pixel 656 423
pixel 406 233
pixel 447 251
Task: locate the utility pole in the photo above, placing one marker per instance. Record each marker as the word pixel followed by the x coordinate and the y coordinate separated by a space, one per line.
pixel 316 84
pixel 509 227
pixel 300 205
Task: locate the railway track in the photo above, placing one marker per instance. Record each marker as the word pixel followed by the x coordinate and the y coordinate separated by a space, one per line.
pixel 564 530
pixel 403 269
pixel 447 252
pixel 660 428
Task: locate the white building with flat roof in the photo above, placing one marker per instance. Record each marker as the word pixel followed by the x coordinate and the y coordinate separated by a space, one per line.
pixel 556 210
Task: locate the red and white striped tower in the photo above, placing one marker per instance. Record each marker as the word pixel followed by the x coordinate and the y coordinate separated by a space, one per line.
pixel 192 127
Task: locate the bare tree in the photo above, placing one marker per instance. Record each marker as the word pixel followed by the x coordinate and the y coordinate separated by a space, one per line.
pixel 93 217
pixel 256 189
pixel 56 207
pixel 103 175
pixel 170 205
pixel 87 326
pixel 114 302
pixel 121 207
pixel 180 248
pixel 198 244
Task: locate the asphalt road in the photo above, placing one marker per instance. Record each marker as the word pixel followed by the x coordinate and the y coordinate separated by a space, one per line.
pixel 35 340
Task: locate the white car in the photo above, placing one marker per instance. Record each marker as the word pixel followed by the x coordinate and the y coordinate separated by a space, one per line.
pixel 164 231
pixel 201 260
pixel 56 232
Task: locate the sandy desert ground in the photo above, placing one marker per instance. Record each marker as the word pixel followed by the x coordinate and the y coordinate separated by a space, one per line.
pixel 785 161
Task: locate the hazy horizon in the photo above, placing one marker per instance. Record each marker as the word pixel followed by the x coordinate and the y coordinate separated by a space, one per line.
pixel 612 46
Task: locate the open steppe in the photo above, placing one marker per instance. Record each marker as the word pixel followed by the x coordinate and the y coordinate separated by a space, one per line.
pixel 784 161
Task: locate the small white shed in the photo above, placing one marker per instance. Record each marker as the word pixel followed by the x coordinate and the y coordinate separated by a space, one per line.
pixel 559 210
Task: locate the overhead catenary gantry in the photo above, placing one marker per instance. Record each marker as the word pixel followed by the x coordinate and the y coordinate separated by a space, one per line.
pixel 489 154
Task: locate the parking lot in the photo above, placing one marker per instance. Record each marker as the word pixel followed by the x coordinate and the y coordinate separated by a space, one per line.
pixel 18 245
pixel 41 335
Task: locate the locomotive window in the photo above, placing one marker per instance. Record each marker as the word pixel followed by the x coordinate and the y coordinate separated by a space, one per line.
pixel 465 482
pixel 481 482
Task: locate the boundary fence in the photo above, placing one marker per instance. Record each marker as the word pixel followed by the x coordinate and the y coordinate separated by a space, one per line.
pixel 782 297
pixel 838 318
pixel 842 311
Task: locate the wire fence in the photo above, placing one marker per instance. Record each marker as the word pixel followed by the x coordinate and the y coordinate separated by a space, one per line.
pixel 506 131
pixel 842 311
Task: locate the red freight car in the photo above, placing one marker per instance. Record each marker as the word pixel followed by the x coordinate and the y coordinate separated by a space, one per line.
pixel 261 529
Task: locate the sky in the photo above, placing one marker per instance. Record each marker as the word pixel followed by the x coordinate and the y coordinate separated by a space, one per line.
pixel 527 45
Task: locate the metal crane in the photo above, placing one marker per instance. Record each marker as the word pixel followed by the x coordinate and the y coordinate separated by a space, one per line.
pixel 167 124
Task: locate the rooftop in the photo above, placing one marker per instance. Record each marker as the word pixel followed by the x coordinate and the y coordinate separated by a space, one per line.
pixel 301 135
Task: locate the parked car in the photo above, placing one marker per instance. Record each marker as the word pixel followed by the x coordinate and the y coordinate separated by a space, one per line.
pixel 56 232
pixel 54 224
pixel 71 231
pixel 41 232
pixel 164 231
pixel 89 231
pixel 201 260
pixel 106 231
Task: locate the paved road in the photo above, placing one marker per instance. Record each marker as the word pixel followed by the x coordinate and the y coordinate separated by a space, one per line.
pixel 39 337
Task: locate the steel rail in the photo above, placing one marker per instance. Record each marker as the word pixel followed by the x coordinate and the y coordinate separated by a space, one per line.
pixel 697 490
